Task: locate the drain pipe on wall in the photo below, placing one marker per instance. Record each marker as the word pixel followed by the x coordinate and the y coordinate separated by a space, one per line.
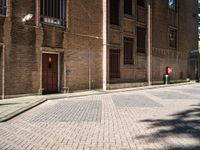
pixel 89 70
pixel 3 70
pixel 104 51
pixel 149 42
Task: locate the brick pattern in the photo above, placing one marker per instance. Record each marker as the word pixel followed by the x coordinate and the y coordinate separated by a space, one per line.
pixel 97 122
pixel 79 40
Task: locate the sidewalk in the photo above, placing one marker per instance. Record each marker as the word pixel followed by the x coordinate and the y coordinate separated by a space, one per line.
pixel 10 108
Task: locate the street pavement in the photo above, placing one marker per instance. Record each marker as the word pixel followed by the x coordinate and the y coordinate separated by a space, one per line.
pixel 11 107
pixel 164 118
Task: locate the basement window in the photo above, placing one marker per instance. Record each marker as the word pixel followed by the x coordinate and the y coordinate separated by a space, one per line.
pixel 172 38
pixel 141 40
pixel 128 51
pixel 141 3
pixel 172 4
pixel 3 7
pixel 114 12
pixel 53 12
pixel 128 7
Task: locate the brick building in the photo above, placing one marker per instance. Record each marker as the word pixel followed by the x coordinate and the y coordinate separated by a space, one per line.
pixel 173 34
pixel 51 46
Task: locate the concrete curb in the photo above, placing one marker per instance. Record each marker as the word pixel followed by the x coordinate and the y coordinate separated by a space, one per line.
pixel 150 87
pixel 100 92
pixel 21 110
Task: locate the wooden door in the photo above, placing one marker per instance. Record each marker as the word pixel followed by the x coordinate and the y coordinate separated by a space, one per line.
pixel 114 64
pixel 49 73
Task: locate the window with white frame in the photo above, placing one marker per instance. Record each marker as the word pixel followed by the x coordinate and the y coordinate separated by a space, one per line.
pixel 53 12
pixel 3 7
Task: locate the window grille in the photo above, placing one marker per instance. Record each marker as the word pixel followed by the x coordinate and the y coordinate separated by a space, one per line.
pixel 53 11
pixel 128 50
pixel 114 63
pixel 141 40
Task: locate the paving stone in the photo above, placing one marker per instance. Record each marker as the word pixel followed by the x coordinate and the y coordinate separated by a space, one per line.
pixel 134 101
pixel 171 95
pixel 191 90
pixel 124 121
pixel 78 111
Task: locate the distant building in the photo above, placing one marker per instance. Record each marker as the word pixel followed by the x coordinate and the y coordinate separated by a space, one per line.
pixel 60 45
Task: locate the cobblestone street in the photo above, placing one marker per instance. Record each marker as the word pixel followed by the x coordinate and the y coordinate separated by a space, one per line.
pixel 165 118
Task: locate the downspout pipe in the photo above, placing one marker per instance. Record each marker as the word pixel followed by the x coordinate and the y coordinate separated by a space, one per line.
pixel 89 70
pixel 149 42
pixel 104 51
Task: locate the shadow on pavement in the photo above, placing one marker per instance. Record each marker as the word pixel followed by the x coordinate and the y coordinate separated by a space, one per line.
pixel 185 123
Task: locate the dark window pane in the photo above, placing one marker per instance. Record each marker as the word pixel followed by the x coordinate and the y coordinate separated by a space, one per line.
pixel 128 50
pixel 114 12
pixel 128 7
pixel 2 7
pixel 114 63
pixel 172 38
pixel 141 38
pixel 141 3
pixel 53 11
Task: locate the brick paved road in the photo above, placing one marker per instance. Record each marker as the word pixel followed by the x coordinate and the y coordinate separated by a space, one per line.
pixel 167 118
